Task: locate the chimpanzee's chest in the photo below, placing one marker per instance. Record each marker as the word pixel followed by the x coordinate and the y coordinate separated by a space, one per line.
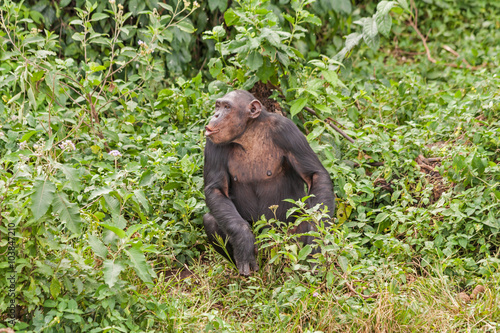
pixel 260 163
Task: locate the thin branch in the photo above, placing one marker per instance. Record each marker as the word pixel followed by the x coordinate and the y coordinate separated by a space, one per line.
pixel 413 22
pixel 330 121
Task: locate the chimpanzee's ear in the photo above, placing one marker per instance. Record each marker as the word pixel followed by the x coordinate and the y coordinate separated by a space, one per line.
pixel 255 108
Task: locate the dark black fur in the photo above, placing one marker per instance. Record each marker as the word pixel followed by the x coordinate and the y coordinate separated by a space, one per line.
pixel 232 213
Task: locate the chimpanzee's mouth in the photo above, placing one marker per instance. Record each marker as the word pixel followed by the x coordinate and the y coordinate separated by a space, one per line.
pixel 209 131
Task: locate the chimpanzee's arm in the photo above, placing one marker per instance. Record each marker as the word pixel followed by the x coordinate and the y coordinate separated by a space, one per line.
pixel 306 163
pixel 228 219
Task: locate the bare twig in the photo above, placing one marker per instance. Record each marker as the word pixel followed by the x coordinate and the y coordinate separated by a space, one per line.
pixel 351 289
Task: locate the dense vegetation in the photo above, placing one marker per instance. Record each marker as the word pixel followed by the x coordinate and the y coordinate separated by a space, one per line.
pixel 102 111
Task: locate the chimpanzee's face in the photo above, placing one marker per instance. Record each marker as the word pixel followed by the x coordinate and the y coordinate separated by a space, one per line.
pixel 232 113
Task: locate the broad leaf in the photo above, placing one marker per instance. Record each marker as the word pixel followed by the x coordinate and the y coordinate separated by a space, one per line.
pixel 68 212
pixel 139 263
pixel 141 198
pixel 42 197
pixel 98 247
pixel 112 271
pixel 382 17
pixel 298 105
pixel 344 264
pixel 370 33
pixel 55 288
pixel 72 175
pixel 254 60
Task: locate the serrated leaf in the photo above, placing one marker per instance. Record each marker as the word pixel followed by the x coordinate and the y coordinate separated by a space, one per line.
pixel 55 288
pixel 139 263
pixel 370 33
pixel 68 212
pixel 113 204
pixel 382 17
pixel 72 175
pixel 404 5
pixel 298 105
pixel 98 247
pixel 42 197
pixel 111 271
pixel 331 77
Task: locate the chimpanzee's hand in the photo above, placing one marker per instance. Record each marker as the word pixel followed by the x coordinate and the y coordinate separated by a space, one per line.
pixel 245 255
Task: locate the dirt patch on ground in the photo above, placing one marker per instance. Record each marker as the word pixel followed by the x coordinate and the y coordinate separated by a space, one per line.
pixel 429 167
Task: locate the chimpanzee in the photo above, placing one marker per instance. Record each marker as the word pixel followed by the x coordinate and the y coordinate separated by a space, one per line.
pixel 255 159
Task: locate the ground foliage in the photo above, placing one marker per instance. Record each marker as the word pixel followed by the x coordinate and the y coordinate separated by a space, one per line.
pixel 102 113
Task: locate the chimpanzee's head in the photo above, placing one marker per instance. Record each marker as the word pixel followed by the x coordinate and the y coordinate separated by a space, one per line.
pixel 232 114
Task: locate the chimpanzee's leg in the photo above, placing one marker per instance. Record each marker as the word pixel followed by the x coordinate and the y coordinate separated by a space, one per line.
pixel 212 229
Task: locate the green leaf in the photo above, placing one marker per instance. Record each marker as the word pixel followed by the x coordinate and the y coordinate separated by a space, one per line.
pixel 139 263
pixel 381 217
pixel 78 36
pixel 404 5
pixel 141 198
pixel 304 252
pixel 72 175
pixel 55 288
pixel 254 60
pixel 99 16
pixel 215 66
pixel 185 26
pixel 344 264
pixel 220 4
pixel 68 212
pixel 99 192
pixel 28 135
pixel 342 6
pixel 119 232
pixel 31 98
pixel 331 77
pixel 167 7
pixel 230 17
pixel 147 178
pixel 298 105
pixel 42 197
pixel 98 247
pixel 382 17
pixel 42 54
pixel 370 33
pixel 112 271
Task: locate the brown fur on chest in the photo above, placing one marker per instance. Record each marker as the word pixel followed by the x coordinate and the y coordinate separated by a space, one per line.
pixel 260 163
